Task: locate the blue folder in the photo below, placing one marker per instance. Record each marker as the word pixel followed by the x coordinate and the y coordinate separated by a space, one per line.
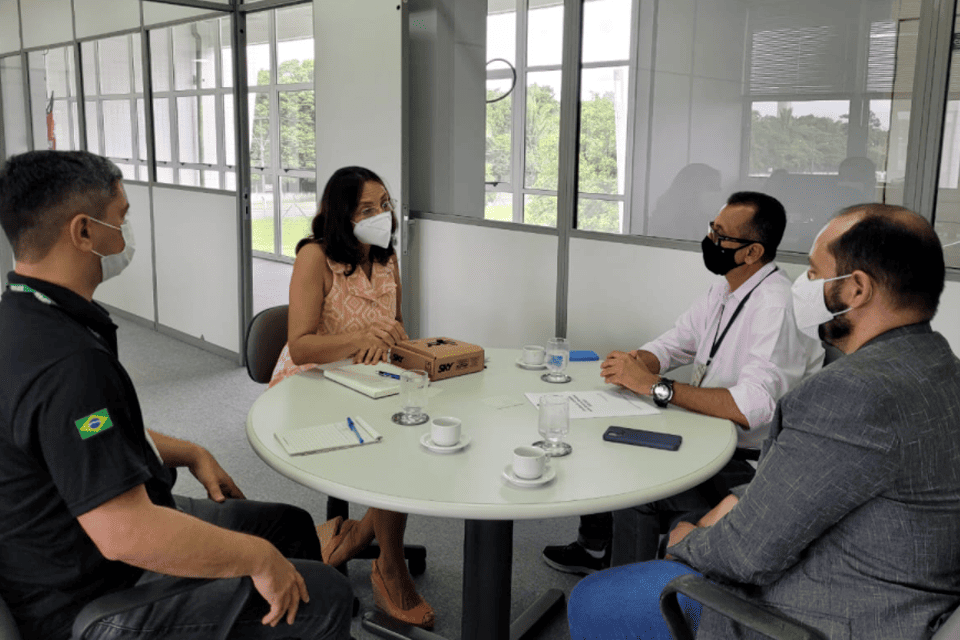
pixel 583 355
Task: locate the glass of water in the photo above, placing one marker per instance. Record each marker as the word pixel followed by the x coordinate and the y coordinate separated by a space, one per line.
pixel 554 424
pixel 558 355
pixel 413 397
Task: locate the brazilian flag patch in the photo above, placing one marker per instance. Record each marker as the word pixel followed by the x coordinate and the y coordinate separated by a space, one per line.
pixel 93 424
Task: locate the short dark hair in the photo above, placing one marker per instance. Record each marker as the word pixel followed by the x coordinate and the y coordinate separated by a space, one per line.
pixel 897 248
pixel 768 222
pixel 332 227
pixel 41 190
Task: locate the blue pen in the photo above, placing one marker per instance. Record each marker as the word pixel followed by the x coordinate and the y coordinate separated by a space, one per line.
pixel 387 374
pixel 354 429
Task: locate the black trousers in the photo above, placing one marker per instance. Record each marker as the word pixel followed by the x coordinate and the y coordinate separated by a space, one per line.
pixel 196 614
pixel 634 533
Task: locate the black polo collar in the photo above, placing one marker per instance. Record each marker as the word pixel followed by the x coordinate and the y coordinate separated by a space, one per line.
pixel 89 314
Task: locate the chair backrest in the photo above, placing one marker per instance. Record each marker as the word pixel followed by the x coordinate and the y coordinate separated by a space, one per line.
pixel 8 628
pixel 265 338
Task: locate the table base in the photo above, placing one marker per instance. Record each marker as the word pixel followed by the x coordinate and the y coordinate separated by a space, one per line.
pixel 487 560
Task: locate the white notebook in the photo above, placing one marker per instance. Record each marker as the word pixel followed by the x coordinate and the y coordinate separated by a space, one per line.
pixel 366 378
pixel 327 437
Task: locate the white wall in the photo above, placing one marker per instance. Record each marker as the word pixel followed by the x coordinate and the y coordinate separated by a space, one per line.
pixel 46 22
pixel 157 13
pixel 9 26
pixel 132 291
pixel 197 255
pixel 93 20
pixel 358 89
pixel 491 287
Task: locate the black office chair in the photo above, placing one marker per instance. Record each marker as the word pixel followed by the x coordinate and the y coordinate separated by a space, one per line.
pixel 266 336
pixel 138 596
pixel 769 623
pixel 772 624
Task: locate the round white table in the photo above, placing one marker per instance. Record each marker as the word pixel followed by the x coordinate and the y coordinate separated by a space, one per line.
pixel 401 475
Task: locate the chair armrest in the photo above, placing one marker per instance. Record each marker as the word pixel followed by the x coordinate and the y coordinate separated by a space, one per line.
pixel 772 624
pixel 155 591
pixel 950 629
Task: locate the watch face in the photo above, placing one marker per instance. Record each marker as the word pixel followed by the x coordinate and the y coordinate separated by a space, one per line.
pixel 661 391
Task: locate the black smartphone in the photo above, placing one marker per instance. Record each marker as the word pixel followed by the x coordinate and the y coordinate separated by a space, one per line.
pixel 641 438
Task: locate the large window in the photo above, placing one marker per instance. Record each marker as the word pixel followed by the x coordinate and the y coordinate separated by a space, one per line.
pixel 523 128
pixel 192 99
pixel 53 95
pixel 14 106
pixel 113 96
pixel 682 104
pixel 946 218
pixel 282 136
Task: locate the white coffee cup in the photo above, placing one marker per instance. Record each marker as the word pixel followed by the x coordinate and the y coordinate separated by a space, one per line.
pixel 533 354
pixel 445 431
pixel 529 462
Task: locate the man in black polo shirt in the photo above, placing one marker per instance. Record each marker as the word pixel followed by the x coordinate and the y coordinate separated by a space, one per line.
pixel 85 488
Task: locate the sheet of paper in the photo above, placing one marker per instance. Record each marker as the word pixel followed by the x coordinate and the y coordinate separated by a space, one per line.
pixel 601 404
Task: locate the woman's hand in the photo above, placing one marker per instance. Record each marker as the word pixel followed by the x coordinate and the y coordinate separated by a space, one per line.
pixel 375 341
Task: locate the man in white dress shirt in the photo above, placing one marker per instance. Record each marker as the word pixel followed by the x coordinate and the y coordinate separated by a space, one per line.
pixel 746 352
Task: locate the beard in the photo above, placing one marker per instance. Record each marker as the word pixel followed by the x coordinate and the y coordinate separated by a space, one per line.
pixel 839 327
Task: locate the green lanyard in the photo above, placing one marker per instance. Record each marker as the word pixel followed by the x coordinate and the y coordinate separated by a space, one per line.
pixel 22 288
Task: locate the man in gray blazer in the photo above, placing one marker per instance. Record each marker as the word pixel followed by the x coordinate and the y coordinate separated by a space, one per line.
pixel 852 523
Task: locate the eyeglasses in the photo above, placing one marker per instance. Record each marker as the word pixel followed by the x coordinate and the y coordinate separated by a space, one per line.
pixel 712 233
pixel 385 206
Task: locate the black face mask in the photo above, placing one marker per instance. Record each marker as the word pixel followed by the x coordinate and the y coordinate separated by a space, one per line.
pixel 719 260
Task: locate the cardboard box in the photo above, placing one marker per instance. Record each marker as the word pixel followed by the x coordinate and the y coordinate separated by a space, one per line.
pixel 441 358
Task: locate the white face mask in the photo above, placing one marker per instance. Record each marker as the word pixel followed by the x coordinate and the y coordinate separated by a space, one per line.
pixel 114 263
pixel 810 304
pixel 377 230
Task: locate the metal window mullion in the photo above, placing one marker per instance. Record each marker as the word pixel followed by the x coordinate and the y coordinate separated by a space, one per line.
pixel 238 23
pixel 147 73
pixel 630 141
pixel 218 111
pixel 274 126
pixel 568 157
pixel 928 107
pixel 81 102
pixel 519 125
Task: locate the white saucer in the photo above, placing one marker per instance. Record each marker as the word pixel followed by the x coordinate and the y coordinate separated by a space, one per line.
pixel 436 448
pixel 548 474
pixel 531 367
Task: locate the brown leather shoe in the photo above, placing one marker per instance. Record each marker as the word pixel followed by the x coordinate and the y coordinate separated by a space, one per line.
pixel 421 615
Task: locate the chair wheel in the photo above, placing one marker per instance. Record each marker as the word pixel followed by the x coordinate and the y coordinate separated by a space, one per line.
pixel 417 565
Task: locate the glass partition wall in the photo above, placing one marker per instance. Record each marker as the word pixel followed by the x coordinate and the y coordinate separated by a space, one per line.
pixel 681 104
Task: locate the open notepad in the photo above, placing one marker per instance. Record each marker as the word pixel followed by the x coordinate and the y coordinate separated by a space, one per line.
pixel 366 378
pixel 327 437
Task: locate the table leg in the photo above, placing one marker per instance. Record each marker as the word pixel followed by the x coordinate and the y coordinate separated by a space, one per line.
pixel 487 559
pixel 487 567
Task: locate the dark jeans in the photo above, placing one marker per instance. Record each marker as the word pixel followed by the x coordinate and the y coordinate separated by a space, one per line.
pixel 196 614
pixel 635 532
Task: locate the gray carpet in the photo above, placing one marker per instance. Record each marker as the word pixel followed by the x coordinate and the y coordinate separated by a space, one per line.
pixel 189 393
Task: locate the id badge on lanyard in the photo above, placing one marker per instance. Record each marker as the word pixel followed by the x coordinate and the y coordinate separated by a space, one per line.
pixel 699 371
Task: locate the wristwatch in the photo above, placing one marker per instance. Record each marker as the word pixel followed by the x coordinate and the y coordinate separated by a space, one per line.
pixel 662 392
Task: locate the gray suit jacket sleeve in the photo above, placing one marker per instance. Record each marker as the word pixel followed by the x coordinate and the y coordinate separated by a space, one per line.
pixel 829 453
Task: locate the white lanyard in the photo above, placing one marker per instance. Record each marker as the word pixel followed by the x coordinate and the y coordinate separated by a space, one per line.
pixel 22 288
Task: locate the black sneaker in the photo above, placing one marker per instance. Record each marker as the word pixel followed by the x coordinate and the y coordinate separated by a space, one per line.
pixel 573 558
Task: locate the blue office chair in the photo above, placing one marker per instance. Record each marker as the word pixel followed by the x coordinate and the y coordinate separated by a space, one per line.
pixel 138 596
pixel 772 624
pixel 266 336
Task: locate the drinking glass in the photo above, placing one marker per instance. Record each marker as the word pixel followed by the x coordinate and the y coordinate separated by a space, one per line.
pixel 554 424
pixel 413 397
pixel 558 355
